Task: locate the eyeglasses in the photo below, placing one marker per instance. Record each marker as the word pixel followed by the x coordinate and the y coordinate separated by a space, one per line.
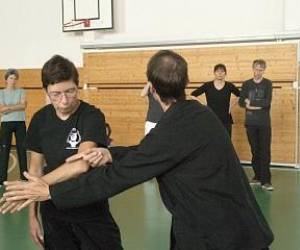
pixel 57 96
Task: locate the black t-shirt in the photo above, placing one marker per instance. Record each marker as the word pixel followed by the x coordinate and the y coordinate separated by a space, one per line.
pixel 218 100
pixel 58 139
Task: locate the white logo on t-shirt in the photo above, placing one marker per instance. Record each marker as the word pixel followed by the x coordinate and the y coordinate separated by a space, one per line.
pixel 73 139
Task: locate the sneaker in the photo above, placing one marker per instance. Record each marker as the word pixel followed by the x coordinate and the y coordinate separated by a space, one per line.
pixel 268 187
pixel 254 182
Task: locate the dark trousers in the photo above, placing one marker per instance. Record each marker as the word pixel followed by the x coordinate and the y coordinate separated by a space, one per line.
pixel 96 234
pixel 172 237
pixel 6 132
pixel 259 138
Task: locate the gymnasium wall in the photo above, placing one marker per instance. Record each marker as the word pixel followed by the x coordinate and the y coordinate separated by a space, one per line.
pixel 298 121
pixel 115 80
pixel 118 77
pixel 31 30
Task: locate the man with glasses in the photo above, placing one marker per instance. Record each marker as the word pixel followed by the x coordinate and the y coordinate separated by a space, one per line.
pixel 65 127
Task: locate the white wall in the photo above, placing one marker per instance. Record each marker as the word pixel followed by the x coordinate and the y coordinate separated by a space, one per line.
pixel 31 29
pixel 292 17
pixel 170 20
pixel 31 33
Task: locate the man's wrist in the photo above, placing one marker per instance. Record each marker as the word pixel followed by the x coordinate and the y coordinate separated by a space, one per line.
pixel 82 167
pixel 49 194
pixel 32 213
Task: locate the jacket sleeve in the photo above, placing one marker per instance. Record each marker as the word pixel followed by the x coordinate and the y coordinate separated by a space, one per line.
pixel 243 95
pixel 156 154
pixel 119 151
pixel 266 101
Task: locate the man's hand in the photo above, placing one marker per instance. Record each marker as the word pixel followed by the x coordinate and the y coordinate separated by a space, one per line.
pixel 35 231
pixel 35 189
pixel 12 206
pixel 252 107
pixel 247 102
pixel 95 157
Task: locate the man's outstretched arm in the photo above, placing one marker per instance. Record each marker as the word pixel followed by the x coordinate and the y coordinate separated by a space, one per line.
pixel 138 165
pixel 37 188
pixel 156 154
pixel 161 150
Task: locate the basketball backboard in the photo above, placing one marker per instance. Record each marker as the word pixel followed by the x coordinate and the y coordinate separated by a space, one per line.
pixel 86 15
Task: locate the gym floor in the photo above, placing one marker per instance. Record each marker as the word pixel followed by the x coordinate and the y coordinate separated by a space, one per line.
pixel 145 223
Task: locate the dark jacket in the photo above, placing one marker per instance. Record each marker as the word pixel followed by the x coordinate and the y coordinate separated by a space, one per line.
pixel 259 95
pixel 200 178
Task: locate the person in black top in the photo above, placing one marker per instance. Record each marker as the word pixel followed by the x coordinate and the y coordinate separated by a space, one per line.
pixel 154 112
pixel 256 98
pixel 218 93
pixel 57 131
pixel 200 177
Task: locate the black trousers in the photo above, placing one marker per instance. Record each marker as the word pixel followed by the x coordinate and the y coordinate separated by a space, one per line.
pixel 259 138
pixel 96 234
pixel 6 132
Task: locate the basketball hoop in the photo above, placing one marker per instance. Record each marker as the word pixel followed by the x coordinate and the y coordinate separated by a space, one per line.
pixel 86 23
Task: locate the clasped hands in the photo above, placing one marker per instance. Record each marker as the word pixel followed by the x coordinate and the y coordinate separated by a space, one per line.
pixel 20 194
pixel 248 106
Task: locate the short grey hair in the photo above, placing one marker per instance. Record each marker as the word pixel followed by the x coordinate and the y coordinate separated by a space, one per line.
pixel 11 72
pixel 260 62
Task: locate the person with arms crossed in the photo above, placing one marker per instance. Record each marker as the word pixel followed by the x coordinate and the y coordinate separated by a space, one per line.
pixel 12 112
pixel 256 98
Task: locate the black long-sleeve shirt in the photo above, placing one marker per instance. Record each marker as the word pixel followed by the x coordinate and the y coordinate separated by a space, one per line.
pixel 260 95
pixel 218 99
pixel 200 179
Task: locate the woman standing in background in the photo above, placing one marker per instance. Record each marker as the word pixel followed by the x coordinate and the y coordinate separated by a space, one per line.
pixel 12 111
pixel 218 96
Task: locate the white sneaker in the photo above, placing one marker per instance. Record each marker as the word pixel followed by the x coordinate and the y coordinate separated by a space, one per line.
pixel 268 187
pixel 254 182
